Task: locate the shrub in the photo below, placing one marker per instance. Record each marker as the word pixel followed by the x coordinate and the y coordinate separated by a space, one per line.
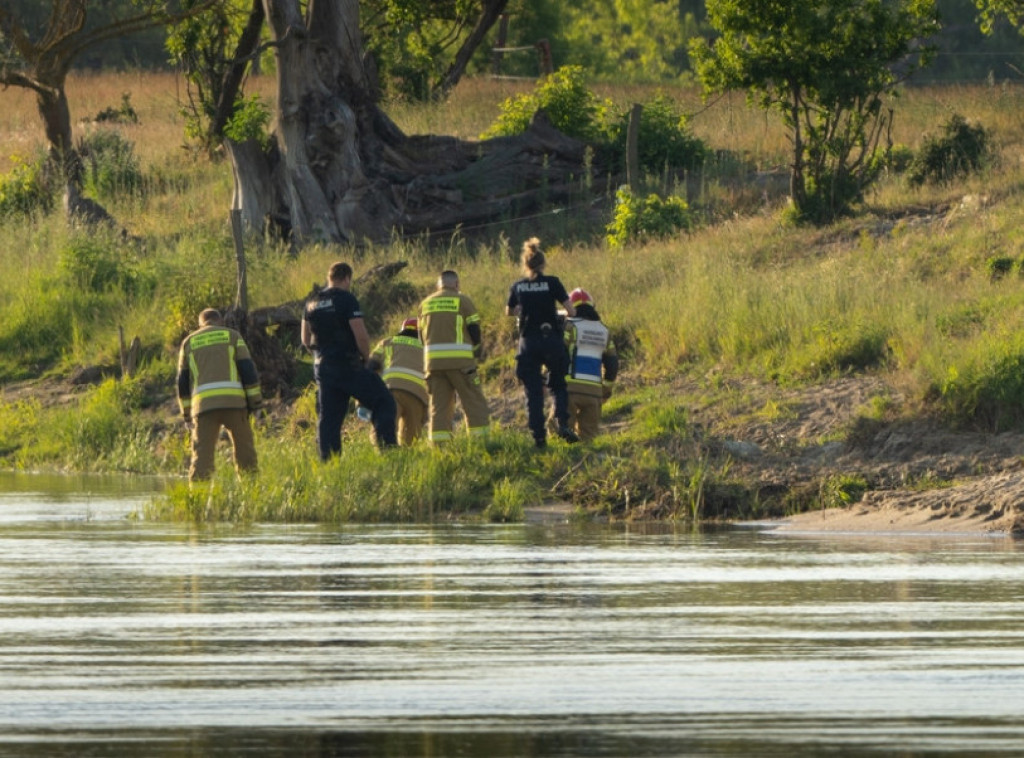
pixel 572 108
pixel 987 387
pixel 959 150
pixel 999 266
pixel 664 140
pixel 203 277
pixel 123 114
pixel 97 264
pixel 651 217
pixel 111 166
pixel 26 189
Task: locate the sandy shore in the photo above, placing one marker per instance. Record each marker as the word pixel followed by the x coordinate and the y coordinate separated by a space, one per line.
pixel 986 506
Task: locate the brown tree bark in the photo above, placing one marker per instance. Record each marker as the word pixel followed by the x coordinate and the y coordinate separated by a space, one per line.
pixel 339 168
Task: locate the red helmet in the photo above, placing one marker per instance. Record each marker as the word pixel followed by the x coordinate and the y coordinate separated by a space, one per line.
pixel 410 323
pixel 580 297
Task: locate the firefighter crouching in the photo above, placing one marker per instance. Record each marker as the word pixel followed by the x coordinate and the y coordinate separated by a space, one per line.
pixel 218 386
pixel 593 365
pixel 399 361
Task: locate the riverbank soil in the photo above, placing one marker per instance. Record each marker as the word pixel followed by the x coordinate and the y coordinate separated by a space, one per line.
pixel 788 443
pixel 920 474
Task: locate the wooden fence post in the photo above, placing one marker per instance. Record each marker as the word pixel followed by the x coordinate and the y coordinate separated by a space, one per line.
pixel 242 296
pixel 499 48
pixel 633 149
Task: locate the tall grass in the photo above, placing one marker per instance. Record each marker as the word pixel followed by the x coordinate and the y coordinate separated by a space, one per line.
pixel 901 289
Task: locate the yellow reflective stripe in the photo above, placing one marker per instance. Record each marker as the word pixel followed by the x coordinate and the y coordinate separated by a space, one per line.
pixel 440 436
pixel 405 373
pixel 478 431
pixel 449 350
pixel 199 396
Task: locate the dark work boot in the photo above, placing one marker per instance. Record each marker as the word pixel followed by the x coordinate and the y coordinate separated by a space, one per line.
pixel 568 435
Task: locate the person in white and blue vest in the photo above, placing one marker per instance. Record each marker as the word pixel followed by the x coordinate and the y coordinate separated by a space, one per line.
pixel 593 365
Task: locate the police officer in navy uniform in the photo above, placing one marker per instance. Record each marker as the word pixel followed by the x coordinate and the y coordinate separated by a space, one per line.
pixel 333 329
pixel 534 299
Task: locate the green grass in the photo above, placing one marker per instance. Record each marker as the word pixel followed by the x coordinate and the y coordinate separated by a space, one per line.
pixel 904 289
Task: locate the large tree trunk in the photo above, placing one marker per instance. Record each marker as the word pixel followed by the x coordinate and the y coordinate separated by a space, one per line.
pixel 340 170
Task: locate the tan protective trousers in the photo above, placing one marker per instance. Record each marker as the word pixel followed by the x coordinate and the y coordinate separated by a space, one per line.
pixel 584 416
pixel 412 412
pixel 443 386
pixel 205 433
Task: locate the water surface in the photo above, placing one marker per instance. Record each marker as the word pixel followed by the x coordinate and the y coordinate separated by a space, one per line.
pixel 121 637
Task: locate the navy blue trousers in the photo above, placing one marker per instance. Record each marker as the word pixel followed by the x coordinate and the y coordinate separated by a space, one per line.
pixel 335 386
pixel 547 351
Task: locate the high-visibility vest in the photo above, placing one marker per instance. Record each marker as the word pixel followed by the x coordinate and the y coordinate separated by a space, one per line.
pixel 211 358
pixel 443 321
pixel 402 360
pixel 587 341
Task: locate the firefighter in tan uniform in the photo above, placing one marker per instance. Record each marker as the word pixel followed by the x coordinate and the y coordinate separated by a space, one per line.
pixel 399 361
pixel 218 386
pixel 450 330
pixel 593 365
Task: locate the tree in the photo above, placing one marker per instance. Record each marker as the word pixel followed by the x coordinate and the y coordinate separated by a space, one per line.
pixel 640 40
pixel 338 169
pixel 37 51
pixel 992 10
pixel 421 49
pixel 825 67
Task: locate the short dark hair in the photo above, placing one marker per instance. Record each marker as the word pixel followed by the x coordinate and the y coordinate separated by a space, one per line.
pixel 339 272
pixel 209 316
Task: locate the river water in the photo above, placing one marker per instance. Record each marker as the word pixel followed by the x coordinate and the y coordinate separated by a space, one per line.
pixel 122 638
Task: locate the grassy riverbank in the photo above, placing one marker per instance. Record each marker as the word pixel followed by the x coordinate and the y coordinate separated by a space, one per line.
pixel 718 328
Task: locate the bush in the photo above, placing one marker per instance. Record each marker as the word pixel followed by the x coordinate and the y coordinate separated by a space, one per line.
pixel 572 108
pixel 98 265
pixel 987 387
pixel 204 277
pixel 959 150
pixel 664 140
pixel 110 164
pixel 641 218
pixel 26 189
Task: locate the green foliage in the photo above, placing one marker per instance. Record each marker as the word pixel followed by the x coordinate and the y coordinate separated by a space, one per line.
pixel 999 266
pixel 825 69
pixel 985 387
pixel 39 337
pixel 509 499
pixel 570 106
pixel 664 140
pixel 204 277
pixel 111 167
pixel 26 189
pixel 640 41
pixel 125 113
pixel 203 47
pixel 96 263
pixel 640 218
pixel 249 121
pixel 958 151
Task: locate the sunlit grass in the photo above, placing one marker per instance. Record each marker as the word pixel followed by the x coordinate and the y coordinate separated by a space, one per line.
pixel 901 289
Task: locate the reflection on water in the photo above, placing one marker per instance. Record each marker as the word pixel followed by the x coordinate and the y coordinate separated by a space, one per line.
pixel 126 638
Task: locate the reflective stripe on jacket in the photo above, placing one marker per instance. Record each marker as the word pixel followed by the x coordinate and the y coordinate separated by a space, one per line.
pixel 402 361
pixel 216 371
pixel 588 342
pixel 444 320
